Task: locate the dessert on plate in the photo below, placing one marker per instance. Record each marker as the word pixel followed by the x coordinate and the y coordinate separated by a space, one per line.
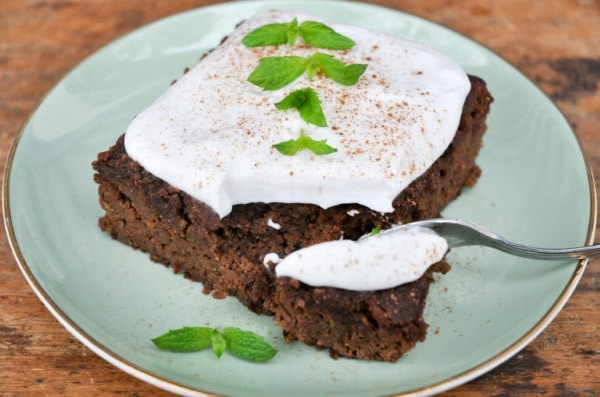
pixel 292 132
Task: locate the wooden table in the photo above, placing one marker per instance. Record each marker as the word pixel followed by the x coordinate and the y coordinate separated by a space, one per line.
pixel 556 43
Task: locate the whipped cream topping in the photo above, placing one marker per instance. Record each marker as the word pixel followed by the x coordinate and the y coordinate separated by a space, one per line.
pixel 382 261
pixel 211 133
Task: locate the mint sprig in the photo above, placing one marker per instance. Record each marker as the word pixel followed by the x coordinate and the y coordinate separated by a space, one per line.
pixel 293 146
pixel 273 73
pixel 314 33
pixel 308 104
pixel 242 344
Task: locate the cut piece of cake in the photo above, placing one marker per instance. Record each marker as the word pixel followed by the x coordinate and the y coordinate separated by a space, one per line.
pixel 374 325
pixel 360 299
pixel 197 183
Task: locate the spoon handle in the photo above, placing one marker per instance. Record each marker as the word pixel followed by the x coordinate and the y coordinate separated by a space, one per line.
pixel 547 253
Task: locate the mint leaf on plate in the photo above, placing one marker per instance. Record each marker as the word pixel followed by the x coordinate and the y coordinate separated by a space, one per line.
pixel 242 344
pixel 218 343
pixel 248 345
pixel 186 339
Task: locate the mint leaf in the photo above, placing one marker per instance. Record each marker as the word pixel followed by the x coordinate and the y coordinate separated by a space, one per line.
pixel 186 339
pixel 292 32
pixel 319 147
pixel 307 102
pixel 268 35
pixel 311 69
pixel 272 34
pixel 338 71
pixel 218 343
pixel 322 36
pixel 375 230
pixel 273 73
pixel 293 146
pixel 289 147
pixel 248 345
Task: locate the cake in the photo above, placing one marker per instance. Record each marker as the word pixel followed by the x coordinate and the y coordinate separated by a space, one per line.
pixel 219 204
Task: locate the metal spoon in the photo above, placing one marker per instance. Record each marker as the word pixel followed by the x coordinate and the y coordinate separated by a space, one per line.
pixel 460 233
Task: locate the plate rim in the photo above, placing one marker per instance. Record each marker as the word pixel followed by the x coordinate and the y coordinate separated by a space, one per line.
pixel 162 382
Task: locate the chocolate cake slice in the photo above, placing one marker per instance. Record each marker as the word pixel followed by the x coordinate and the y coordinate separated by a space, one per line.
pixel 226 250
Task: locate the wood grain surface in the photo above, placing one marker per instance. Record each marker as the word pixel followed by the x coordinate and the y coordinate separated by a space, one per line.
pixel 556 43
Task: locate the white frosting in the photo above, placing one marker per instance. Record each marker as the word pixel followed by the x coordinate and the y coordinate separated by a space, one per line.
pixel 273 224
pixel 382 261
pixel 271 257
pixel 211 133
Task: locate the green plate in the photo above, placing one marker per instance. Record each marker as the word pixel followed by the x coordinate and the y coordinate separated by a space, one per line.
pixel 536 188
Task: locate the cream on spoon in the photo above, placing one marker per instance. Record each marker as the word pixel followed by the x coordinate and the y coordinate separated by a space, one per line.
pixel 382 261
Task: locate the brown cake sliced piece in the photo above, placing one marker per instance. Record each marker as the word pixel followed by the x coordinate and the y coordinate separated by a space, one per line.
pixel 227 254
pixel 374 325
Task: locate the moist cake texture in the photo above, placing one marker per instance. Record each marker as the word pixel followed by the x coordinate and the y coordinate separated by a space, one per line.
pixel 226 252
